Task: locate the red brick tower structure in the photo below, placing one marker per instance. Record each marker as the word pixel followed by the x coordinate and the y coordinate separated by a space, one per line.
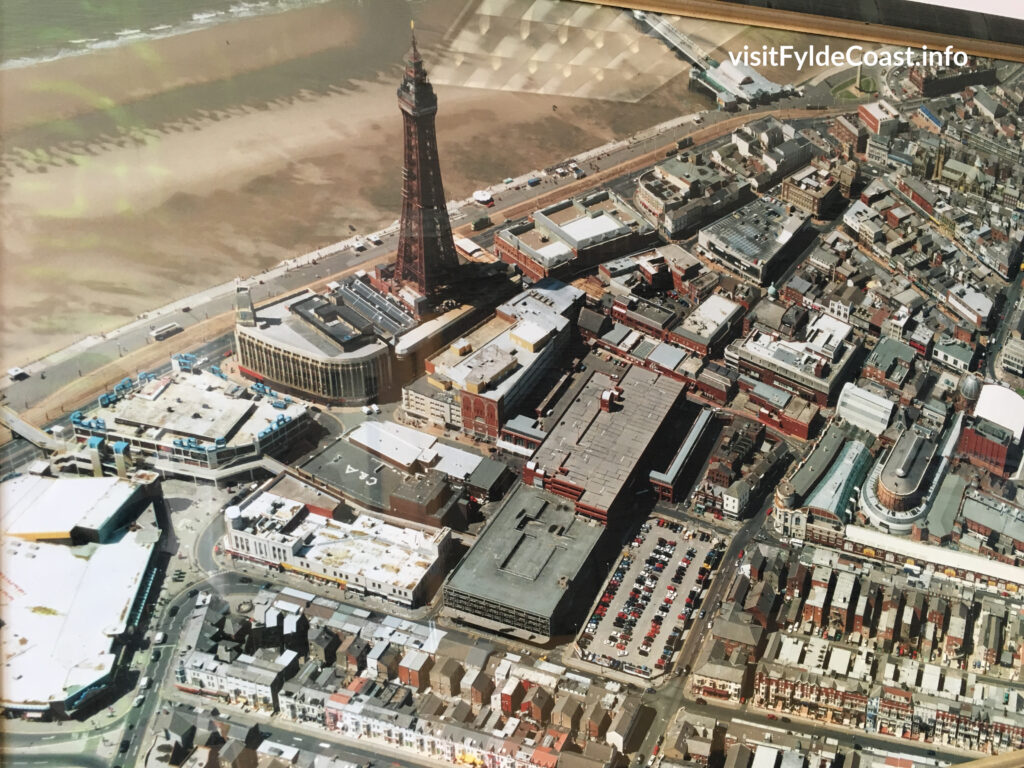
pixel 426 251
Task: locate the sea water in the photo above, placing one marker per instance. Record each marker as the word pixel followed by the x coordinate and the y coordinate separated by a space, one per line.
pixel 42 30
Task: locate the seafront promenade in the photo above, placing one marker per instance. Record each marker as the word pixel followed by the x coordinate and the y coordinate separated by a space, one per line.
pixel 81 371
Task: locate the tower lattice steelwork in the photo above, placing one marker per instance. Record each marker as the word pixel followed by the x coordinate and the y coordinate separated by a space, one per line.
pixel 426 252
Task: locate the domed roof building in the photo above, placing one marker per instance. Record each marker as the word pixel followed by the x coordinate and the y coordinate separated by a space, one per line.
pixel 970 388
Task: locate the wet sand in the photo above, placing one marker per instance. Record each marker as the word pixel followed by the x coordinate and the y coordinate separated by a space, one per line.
pixel 104 79
pixel 103 226
pixel 138 226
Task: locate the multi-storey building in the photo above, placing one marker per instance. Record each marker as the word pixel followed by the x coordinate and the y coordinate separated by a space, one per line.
pixel 756 240
pixel 814 502
pixel 987 445
pixel 290 526
pixel 573 235
pixel 879 117
pixel 530 571
pixel 812 190
pixel 813 368
pixel 333 348
pixel 603 441
pixel 249 680
pixel 481 377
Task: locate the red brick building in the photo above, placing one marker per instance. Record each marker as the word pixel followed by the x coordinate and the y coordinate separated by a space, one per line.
pixel 986 445
pixel 512 694
pixel 414 670
pixel 848 131
pixel 879 117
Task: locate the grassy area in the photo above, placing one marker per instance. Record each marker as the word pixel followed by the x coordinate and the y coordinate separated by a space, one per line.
pixel 843 86
pixel 847 88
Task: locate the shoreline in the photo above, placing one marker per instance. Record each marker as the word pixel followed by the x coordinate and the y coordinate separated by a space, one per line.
pixel 115 231
pixel 244 192
pixel 61 89
pixel 105 229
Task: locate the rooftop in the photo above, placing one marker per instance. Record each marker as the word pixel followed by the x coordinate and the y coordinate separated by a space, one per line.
pixel 365 549
pixel 34 507
pixel 834 491
pixel 944 510
pixel 683 173
pixel 63 610
pixel 818 461
pixel 494 356
pixel 353 320
pixel 825 344
pixel 559 231
pixel 709 319
pixel 359 475
pixel 597 450
pixel 686 448
pixel 529 555
pixel 1002 406
pixel 202 406
pixel 754 234
pixel 907 465
pixel 941 557
pixel 880 110
pixel 413 450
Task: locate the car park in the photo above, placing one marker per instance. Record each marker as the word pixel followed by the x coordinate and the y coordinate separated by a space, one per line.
pixel 640 597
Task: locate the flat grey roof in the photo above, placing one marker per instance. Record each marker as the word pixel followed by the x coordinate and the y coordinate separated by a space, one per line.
pixel 278 324
pixel 529 555
pixel 773 395
pixel 667 356
pixel 819 460
pixel 487 473
pixel 616 335
pixel 524 425
pixel 598 450
pixel 946 507
pixel 358 475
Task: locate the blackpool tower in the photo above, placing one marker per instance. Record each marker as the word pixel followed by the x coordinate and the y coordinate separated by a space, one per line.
pixel 426 252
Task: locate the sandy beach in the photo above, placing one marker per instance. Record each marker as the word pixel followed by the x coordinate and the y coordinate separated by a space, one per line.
pixel 103 226
pixel 103 79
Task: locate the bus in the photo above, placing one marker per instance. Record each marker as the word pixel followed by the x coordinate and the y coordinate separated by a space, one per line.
pixel 165 331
